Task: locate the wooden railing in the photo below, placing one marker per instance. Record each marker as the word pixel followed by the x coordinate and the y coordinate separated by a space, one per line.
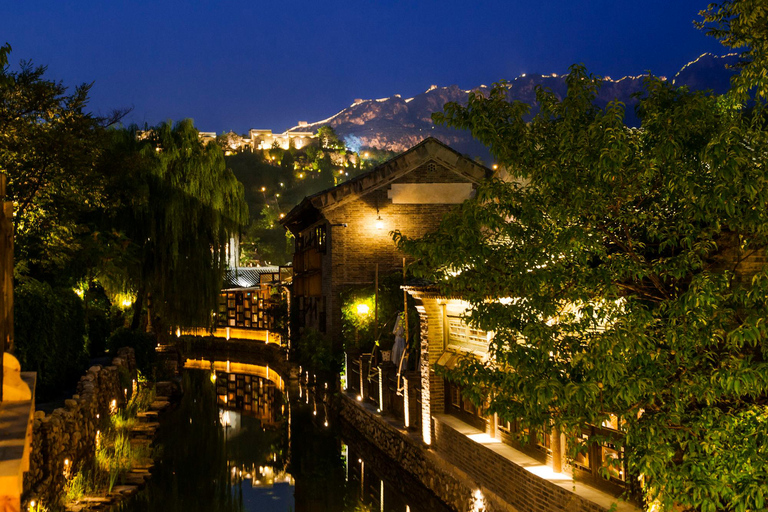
pixel 377 383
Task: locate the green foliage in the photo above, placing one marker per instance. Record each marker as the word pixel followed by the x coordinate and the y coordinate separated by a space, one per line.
pixel 49 328
pixel 314 352
pixel 359 330
pixel 742 24
pixel 141 342
pixel 101 319
pixel 328 138
pixel 177 206
pixel 49 148
pixel 622 272
pixel 115 455
pixel 79 485
pixel 357 317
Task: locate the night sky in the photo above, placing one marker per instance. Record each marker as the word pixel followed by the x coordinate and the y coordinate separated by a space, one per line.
pixel 241 65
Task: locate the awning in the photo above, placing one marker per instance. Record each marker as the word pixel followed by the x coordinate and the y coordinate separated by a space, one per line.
pixel 451 357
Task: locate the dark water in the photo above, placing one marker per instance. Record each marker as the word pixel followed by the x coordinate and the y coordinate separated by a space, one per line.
pixel 246 444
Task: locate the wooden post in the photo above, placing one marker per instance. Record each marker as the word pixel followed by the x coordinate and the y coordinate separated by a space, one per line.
pixel 6 276
pixel 557 451
pixel 405 307
pixel 406 404
pixel 362 378
pixel 376 307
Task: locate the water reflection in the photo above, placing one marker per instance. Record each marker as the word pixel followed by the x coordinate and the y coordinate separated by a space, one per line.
pixel 236 443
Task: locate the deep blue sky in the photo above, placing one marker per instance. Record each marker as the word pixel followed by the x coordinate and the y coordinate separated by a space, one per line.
pixel 260 64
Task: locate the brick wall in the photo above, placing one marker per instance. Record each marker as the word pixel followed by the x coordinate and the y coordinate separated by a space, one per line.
pixel 355 250
pixel 432 346
pixel 522 489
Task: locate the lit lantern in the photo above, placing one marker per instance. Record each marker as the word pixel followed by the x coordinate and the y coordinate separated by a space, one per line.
pixel 363 309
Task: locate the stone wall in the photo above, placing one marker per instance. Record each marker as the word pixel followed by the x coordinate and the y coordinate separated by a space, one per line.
pixel 451 485
pixel 517 486
pixel 69 433
pixel 468 476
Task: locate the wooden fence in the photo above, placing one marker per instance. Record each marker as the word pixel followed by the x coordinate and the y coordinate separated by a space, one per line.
pixel 377 383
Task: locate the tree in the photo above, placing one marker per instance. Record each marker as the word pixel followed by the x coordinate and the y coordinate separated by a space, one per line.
pixel 742 24
pixel 328 138
pixel 176 206
pixel 623 275
pixel 49 148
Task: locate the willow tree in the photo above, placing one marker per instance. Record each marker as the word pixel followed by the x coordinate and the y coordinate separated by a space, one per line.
pixel 176 205
pixel 623 275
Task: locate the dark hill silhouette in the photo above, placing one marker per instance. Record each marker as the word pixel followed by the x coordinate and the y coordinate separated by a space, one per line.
pixel 396 124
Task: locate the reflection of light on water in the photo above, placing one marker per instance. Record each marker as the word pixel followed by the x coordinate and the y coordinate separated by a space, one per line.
pixel 263 477
pixel 225 419
pixel 233 367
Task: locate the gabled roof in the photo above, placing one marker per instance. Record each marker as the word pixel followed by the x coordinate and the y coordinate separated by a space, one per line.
pixel 429 150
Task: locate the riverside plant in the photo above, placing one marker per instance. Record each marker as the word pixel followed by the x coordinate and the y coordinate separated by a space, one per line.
pixel 115 456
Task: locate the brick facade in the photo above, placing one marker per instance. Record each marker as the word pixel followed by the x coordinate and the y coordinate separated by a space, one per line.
pixel 354 244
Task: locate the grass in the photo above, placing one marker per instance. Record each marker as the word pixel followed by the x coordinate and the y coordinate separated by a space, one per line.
pixel 115 455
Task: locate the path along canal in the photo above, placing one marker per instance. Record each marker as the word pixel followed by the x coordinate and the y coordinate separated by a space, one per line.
pixel 244 443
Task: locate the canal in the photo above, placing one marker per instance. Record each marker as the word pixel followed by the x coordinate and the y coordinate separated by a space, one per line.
pixel 243 440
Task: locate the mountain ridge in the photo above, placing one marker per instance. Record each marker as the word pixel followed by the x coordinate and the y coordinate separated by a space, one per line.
pixel 396 124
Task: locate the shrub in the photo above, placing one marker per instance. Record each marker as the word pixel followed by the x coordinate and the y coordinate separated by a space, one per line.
pixel 142 343
pixel 314 352
pixel 49 325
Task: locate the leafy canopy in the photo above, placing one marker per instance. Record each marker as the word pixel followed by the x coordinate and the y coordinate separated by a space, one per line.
pixel 623 275
pixel 176 206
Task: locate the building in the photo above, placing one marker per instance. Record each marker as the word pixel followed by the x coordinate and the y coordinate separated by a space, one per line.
pixel 259 140
pixel 265 139
pixel 246 306
pixel 445 338
pixel 343 233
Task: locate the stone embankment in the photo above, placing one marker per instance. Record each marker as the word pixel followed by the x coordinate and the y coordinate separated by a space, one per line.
pixel 451 485
pixel 143 433
pixel 66 437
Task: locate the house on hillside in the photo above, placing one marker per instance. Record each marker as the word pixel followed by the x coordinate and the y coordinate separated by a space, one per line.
pixel 342 233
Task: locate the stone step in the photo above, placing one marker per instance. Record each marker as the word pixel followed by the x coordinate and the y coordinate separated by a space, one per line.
pixel 161 403
pixel 125 490
pixel 147 417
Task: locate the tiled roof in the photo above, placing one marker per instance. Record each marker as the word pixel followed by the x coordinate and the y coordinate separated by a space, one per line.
pixel 246 277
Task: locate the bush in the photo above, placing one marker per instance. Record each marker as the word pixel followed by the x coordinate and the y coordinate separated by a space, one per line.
pixel 101 318
pixel 314 352
pixel 49 325
pixel 142 343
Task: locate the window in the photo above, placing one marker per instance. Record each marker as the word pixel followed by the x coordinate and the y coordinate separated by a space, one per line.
pixel 464 336
pixel 462 408
pixel 604 454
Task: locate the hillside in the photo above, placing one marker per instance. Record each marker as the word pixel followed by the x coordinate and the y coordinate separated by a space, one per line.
pixel 396 124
